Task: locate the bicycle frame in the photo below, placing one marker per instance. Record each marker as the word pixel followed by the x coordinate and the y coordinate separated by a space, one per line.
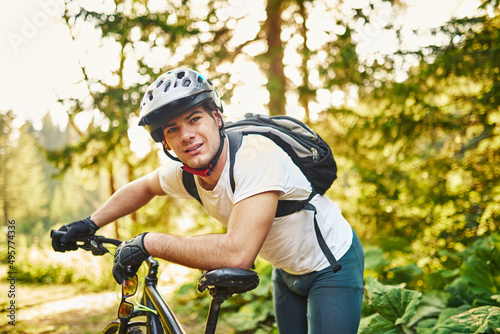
pixel 154 300
pixel 221 283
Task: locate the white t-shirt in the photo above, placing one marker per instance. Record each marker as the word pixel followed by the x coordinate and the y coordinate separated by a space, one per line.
pixel 261 165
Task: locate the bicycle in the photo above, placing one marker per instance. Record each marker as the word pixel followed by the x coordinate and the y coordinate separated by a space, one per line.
pixel 160 318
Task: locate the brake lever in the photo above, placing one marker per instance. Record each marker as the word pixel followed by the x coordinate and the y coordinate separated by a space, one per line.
pixel 90 243
pixel 95 247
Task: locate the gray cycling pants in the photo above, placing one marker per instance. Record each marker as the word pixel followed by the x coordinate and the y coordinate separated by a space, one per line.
pixel 321 302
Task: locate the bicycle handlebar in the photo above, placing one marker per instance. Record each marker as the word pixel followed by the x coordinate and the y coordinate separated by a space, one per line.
pixel 93 243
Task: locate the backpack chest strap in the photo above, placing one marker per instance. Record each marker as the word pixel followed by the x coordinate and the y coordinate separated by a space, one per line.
pixel 286 207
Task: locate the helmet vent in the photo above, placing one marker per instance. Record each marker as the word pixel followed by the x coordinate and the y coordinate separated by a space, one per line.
pixel 172 94
pixel 167 85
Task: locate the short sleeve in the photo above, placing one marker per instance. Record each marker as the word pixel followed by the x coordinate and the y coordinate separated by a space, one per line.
pixel 262 166
pixel 171 180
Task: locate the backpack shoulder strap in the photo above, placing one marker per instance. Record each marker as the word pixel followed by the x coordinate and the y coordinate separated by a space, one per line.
pixel 235 139
pixel 190 185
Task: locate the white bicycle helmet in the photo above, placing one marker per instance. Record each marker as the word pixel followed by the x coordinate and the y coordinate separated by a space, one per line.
pixel 172 94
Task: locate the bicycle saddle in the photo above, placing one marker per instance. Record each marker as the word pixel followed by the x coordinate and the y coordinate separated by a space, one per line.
pixel 237 280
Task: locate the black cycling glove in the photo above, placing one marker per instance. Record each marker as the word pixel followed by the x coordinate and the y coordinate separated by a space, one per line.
pixel 130 254
pixel 80 228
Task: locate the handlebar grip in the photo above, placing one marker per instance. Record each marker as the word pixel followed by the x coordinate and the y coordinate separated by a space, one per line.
pixel 56 235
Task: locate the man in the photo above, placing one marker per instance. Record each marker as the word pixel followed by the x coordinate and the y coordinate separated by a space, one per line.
pixel 182 110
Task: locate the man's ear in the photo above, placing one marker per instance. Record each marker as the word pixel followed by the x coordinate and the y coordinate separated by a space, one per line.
pixel 166 146
pixel 218 117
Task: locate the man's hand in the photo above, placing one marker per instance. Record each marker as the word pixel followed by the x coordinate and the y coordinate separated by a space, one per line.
pixel 80 228
pixel 130 254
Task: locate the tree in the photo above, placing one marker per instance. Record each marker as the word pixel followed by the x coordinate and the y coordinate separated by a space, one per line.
pixel 113 100
pixel 380 138
pixel 425 150
pixel 22 184
pixel 207 38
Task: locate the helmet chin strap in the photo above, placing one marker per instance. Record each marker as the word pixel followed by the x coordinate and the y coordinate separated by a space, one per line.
pixel 204 172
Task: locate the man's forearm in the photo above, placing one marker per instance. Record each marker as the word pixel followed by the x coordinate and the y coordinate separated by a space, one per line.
pixel 205 252
pixel 238 247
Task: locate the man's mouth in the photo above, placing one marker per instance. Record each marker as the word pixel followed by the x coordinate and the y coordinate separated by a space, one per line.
pixel 193 148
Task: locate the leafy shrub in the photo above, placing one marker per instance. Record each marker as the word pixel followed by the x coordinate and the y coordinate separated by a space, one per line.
pixel 394 307
pixel 252 312
pixel 468 303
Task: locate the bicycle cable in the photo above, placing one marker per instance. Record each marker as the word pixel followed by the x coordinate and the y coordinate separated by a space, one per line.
pixel 137 304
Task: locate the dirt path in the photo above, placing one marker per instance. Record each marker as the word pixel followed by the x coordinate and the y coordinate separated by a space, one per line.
pixel 65 309
pixel 69 309
pixel 60 309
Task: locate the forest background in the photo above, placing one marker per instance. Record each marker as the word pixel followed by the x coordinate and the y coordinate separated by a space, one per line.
pixel 410 110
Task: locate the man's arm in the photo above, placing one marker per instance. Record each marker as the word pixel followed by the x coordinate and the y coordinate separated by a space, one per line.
pixel 129 199
pixel 249 224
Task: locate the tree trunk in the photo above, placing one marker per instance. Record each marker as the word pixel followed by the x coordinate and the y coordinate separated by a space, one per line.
pixel 6 218
pixel 112 190
pixel 305 92
pixel 133 215
pixel 276 81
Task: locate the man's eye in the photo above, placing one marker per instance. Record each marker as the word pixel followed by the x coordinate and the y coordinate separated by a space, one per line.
pixel 195 119
pixel 171 130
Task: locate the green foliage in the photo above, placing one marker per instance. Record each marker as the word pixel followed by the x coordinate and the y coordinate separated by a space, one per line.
pixel 485 319
pixel 479 275
pixel 252 312
pixel 419 157
pixel 39 264
pixel 466 301
pixel 188 301
pixel 393 306
pixel 21 175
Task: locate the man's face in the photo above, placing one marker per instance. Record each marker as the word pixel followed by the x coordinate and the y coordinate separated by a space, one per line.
pixel 194 136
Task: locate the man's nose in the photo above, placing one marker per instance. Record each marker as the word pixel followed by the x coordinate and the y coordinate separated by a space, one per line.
pixel 187 134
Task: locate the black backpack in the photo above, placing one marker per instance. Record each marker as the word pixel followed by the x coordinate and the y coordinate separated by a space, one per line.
pixel 306 149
